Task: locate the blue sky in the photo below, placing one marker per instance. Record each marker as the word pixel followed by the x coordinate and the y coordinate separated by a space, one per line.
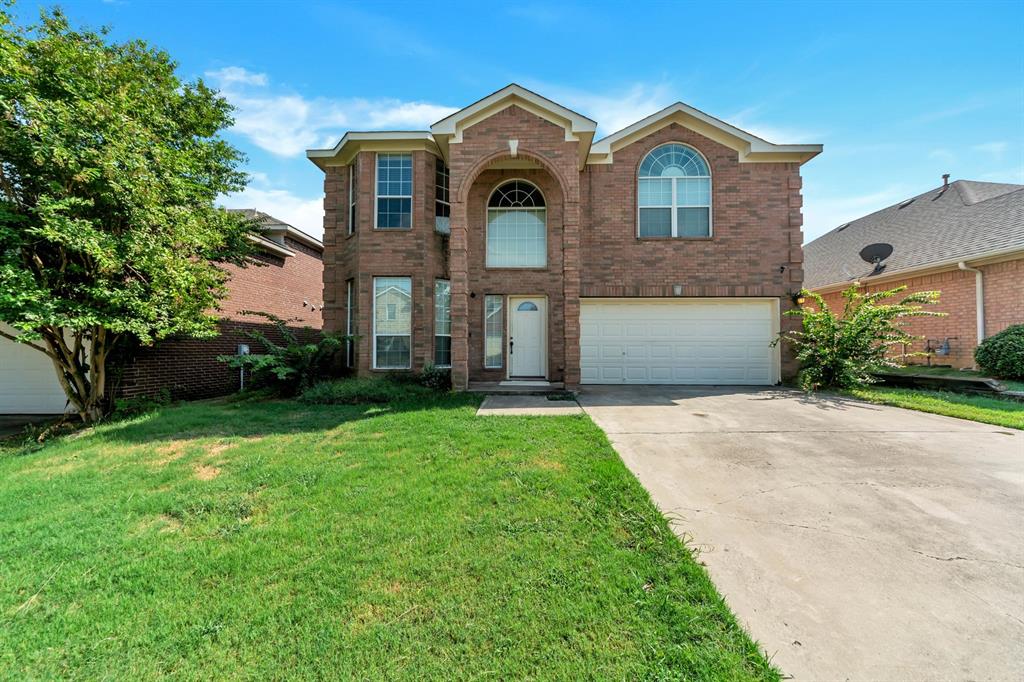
pixel 898 93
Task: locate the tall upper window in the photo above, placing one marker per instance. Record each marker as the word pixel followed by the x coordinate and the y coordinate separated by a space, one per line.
pixel 516 227
pixel 674 193
pixel 442 206
pixel 392 322
pixel 442 323
pixel 394 191
pixel 352 189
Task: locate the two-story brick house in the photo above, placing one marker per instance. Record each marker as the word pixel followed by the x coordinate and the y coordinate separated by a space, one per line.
pixel 508 244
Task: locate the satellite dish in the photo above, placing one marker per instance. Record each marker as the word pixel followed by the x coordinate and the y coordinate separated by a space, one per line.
pixel 875 254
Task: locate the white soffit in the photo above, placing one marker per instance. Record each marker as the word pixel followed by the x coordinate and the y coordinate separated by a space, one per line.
pixel 578 128
pixel 384 141
pixel 751 148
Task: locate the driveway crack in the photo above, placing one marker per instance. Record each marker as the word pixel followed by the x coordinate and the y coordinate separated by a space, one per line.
pixel 850 536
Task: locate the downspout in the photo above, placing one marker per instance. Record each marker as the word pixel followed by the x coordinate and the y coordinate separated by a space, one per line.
pixel 979 298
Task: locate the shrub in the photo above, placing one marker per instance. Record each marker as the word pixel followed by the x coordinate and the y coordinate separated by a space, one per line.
pixel 1002 354
pixel 362 391
pixel 844 351
pixel 436 378
pixel 291 368
pixel 130 407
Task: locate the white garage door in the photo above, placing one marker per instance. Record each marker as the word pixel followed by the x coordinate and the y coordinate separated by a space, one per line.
pixel 28 383
pixel 678 341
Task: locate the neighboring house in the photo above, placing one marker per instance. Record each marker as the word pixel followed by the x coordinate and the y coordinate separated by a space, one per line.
pixel 286 279
pixel 964 239
pixel 509 245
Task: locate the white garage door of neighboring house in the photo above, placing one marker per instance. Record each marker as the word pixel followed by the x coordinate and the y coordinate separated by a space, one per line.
pixel 28 383
pixel 678 341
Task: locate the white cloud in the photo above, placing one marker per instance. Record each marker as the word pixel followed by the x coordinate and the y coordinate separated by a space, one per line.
pixel 749 120
pixel 943 155
pixel 613 111
pixel 993 149
pixel 236 74
pixel 307 214
pixel 822 213
pixel 286 124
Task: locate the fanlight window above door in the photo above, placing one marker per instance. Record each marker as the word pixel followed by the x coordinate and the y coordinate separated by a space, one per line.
pixel 527 306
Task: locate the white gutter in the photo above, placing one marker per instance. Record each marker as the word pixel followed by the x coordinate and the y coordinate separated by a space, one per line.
pixel 900 274
pixel 979 298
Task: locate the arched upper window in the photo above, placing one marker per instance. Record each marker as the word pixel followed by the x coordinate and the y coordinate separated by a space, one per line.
pixel 516 226
pixel 674 193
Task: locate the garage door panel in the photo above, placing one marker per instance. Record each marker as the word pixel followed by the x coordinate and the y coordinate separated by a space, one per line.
pixel 695 341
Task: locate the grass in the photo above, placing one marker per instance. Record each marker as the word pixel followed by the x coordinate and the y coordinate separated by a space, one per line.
pixel 924 370
pixel 979 408
pixel 409 541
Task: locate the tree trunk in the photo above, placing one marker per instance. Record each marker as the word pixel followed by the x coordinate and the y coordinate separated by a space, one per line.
pixel 81 369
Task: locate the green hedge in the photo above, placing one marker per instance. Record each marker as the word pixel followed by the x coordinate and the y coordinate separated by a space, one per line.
pixel 1002 354
pixel 362 391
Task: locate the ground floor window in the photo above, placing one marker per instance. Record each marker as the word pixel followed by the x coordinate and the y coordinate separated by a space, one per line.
pixel 442 323
pixel 392 322
pixel 494 329
pixel 350 347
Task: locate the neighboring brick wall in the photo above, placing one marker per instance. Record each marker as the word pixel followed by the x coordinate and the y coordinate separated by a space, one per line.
pixel 188 368
pixel 1004 305
pixel 1004 295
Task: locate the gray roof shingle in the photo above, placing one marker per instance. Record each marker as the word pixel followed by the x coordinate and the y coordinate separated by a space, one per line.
pixel 966 220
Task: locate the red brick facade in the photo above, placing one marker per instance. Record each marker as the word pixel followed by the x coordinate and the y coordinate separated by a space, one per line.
pixel 188 368
pixel 593 248
pixel 1004 306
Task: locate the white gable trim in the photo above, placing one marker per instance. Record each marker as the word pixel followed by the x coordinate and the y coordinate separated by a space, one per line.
pixel 578 128
pixel 385 141
pixel 751 149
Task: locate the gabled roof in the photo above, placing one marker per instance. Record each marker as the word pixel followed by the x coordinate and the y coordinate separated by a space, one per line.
pixel 577 126
pixel 750 147
pixel 967 221
pixel 274 230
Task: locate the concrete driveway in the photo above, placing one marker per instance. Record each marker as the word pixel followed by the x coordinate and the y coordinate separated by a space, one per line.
pixel 853 541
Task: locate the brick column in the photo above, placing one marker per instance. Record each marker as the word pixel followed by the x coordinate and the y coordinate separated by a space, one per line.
pixel 571 282
pixel 458 265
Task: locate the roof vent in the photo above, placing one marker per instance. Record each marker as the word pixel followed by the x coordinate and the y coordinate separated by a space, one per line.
pixel 842 227
pixel 876 255
pixel 906 203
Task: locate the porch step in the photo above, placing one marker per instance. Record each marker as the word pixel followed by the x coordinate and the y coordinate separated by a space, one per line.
pixel 516 387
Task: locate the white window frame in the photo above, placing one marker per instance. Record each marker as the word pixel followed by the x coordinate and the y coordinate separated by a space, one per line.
pixel 487 226
pixel 501 320
pixel 350 355
pixel 449 334
pixel 376 188
pixel 352 169
pixel 437 194
pixel 374 324
pixel 673 209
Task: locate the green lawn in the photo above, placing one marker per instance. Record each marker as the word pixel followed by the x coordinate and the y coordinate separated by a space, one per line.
pixel 414 541
pixel 979 408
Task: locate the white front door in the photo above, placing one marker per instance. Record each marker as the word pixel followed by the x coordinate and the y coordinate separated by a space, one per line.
pixel 528 323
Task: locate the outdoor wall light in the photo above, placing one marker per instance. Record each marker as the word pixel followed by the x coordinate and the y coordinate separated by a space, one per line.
pixel 797 297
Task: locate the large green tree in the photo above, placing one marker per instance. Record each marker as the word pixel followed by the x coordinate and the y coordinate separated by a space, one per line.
pixel 109 168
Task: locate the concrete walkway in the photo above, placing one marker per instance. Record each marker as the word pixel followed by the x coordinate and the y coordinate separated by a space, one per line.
pixel 854 541
pixel 526 405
